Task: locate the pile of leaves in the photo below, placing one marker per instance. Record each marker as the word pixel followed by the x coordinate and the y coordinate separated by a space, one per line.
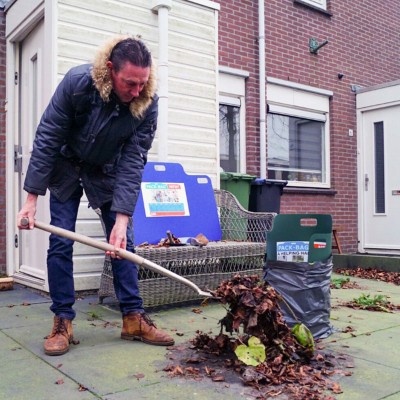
pixel 254 321
pixel 371 273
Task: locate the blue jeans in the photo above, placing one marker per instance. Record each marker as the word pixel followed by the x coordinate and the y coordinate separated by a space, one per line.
pixel 60 265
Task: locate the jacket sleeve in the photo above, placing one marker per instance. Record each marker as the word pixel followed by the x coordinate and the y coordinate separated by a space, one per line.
pixel 132 162
pixel 51 133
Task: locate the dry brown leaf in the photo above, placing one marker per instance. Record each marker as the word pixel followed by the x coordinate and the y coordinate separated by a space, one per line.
pixel 82 388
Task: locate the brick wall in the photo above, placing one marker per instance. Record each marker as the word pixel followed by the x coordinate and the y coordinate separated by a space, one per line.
pixel 2 144
pixel 238 48
pixel 363 45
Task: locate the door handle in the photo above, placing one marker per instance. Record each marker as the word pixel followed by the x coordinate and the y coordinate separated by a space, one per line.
pixel 366 182
pixel 17 158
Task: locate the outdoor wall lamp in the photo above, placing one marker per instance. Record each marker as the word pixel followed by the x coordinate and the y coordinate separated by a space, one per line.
pixel 314 46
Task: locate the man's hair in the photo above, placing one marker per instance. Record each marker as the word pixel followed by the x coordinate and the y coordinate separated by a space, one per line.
pixel 131 50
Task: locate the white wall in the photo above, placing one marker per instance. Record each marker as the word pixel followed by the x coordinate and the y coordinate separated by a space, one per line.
pixel 192 104
pixel 193 63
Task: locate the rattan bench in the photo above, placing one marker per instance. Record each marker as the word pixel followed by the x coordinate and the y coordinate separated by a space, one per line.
pixel 241 250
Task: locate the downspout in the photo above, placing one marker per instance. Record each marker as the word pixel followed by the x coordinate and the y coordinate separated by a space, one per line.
pixel 263 103
pixel 162 8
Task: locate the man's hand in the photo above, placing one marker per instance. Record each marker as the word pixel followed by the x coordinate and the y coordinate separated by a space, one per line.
pixel 28 212
pixel 118 234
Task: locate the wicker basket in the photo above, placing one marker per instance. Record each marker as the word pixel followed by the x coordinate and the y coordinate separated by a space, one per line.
pixel 242 251
pixel 205 266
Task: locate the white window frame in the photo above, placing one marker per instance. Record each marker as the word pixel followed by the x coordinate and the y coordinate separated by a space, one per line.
pixel 297 100
pixel 232 89
pixel 322 4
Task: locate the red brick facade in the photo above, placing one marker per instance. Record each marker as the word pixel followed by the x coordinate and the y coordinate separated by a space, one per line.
pixel 363 45
pixel 2 144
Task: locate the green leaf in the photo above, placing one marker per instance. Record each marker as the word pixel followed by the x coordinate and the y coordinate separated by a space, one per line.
pixel 303 335
pixel 253 354
pixel 339 282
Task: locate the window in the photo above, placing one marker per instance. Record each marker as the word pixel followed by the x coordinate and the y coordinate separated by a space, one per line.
pixel 229 130
pixel 298 134
pixel 315 3
pixel 296 149
pixel 379 149
pixel 232 132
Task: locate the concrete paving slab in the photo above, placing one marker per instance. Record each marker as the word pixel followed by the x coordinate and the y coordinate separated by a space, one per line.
pixel 115 369
pixel 25 315
pixel 179 389
pixel 395 396
pixel 370 381
pixel 112 367
pixel 89 333
pixel 363 321
pixel 380 347
pixel 11 350
pixel 20 295
pixel 31 378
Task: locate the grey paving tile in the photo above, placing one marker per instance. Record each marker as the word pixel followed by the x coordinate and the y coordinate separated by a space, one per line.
pixel 178 389
pixel 21 295
pixel 112 367
pixel 10 350
pixel 379 347
pixel 89 333
pixel 395 396
pixel 117 370
pixel 24 315
pixel 31 378
pixel 363 321
pixel 370 381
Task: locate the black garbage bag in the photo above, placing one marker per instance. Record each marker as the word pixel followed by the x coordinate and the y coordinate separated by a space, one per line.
pixel 305 288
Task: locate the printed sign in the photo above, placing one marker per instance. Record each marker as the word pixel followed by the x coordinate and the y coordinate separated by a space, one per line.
pixel 292 251
pixel 164 199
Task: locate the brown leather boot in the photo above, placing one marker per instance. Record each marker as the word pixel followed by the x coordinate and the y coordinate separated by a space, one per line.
pixel 138 326
pixel 57 343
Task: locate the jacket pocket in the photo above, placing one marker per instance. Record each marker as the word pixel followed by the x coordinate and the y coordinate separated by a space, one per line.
pixel 64 179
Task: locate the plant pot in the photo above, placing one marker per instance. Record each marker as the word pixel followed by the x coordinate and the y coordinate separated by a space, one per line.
pixel 6 283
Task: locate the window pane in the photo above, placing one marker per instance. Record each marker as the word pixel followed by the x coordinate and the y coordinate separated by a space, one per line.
pixel 229 130
pixel 379 168
pixel 296 149
pixel 316 3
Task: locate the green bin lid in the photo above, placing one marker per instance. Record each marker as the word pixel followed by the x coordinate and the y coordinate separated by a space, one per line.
pixel 228 176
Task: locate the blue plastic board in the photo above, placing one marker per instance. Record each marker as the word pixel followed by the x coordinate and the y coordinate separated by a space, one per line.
pixel 172 200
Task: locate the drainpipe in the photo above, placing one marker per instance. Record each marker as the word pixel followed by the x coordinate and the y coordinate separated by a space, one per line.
pixel 263 103
pixel 162 8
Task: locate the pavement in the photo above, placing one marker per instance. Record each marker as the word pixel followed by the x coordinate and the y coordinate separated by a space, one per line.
pixel 102 366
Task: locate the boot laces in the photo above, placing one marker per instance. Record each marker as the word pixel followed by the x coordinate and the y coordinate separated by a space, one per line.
pixel 59 328
pixel 147 320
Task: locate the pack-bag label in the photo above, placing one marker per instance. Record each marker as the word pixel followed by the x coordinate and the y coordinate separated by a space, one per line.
pixel 295 251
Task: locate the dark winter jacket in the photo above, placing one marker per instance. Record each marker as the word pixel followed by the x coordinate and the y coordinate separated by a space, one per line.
pixel 87 137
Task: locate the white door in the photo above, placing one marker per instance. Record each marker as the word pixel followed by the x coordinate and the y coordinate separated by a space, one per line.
pixel 380 180
pixel 32 245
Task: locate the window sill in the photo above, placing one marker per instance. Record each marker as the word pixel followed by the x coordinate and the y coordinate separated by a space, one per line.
pixel 304 190
pixel 308 5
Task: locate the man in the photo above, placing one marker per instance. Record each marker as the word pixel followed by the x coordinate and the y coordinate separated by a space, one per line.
pixel 94 136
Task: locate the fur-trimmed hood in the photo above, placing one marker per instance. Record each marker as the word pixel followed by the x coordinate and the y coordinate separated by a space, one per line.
pixel 102 79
